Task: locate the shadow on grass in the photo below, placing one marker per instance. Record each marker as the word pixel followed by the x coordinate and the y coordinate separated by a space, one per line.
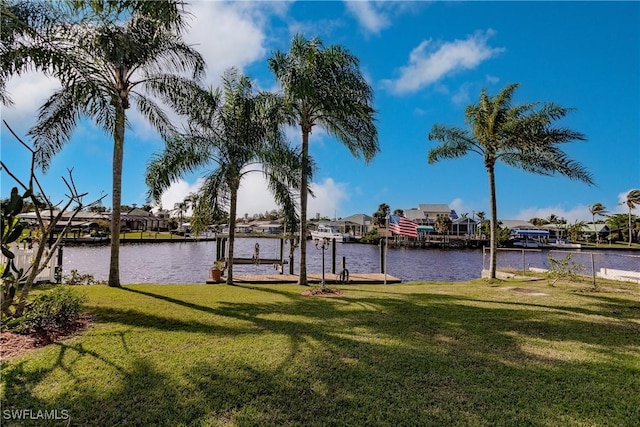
pixel 411 359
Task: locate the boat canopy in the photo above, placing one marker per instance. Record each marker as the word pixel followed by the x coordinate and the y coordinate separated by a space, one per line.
pixel 518 232
pixel 427 228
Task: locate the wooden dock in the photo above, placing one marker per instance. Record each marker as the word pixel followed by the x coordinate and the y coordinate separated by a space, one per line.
pixel 329 279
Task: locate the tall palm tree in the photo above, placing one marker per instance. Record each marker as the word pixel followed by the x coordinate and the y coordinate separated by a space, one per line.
pixel 596 209
pixel 518 135
pixel 106 68
pixel 633 200
pixel 29 29
pixel 323 86
pixel 234 129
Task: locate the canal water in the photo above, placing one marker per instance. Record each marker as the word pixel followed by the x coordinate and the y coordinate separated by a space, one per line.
pixel 189 262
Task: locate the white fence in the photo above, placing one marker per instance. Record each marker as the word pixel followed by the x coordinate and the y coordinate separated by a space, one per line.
pixel 614 265
pixel 24 259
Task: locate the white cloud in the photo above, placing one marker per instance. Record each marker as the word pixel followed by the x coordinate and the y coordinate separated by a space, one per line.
pixel 369 15
pixel 178 191
pixel 431 61
pixel 460 207
pixel 227 35
pixel 328 196
pixel 28 91
pixel 462 97
pixel 573 214
pixel 492 79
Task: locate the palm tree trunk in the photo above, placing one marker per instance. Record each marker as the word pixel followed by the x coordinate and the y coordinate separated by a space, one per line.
pixel 118 150
pixel 304 190
pixel 232 230
pixel 629 227
pixel 493 244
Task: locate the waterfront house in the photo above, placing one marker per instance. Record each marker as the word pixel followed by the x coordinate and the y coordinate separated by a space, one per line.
pixel 590 229
pixel 137 219
pixel 428 214
pixel 356 225
pixel 463 226
pixel 268 227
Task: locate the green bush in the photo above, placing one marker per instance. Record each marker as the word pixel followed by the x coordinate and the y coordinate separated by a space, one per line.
pixel 52 309
pixel 75 278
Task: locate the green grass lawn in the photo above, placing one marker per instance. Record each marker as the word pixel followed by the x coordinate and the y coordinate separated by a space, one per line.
pixel 469 354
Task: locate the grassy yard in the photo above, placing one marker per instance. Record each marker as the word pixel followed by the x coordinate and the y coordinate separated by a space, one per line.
pixel 437 354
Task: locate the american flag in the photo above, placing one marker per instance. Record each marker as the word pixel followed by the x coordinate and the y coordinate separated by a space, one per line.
pixel 402 226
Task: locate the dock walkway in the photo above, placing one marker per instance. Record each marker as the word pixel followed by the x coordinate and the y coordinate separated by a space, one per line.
pixel 354 279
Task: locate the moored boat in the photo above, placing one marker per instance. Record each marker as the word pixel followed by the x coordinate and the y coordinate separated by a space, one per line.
pixel 328 232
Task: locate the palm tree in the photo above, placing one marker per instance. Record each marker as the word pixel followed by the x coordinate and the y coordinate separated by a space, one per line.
pixel 633 200
pixel 596 209
pixel 106 68
pixel 324 87
pixel 443 224
pixel 520 136
pixel 380 216
pixel 481 218
pixel 233 129
pixel 574 230
pixel 28 26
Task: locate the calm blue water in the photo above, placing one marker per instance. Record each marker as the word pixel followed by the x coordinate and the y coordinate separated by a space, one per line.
pixel 190 262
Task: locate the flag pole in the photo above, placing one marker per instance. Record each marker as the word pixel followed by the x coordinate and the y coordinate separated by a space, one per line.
pixel 386 246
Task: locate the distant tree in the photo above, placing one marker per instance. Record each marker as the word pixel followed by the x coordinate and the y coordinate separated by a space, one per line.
pixel 574 231
pixel 97 209
pixel 618 223
pixel 443 224
pixel 380 216
pixel 520 136
pixel 324 87
pixel 553 219
pixel 633 200
pixel 483 227
pixel 398 212
pixel 596 209
pixel 538 221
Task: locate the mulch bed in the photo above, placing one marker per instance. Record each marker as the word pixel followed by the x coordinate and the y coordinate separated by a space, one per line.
pixel 323 293
pixel 12 344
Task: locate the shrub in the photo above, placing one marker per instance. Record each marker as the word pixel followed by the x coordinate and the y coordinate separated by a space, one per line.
pixel 75 278
pixel 52 309
pixel 564 268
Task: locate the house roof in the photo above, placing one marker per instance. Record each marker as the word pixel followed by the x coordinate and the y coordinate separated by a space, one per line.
pixel 460 220
pixel 600 228
pixel 414 214
pixel 435 208
pixel 360 219
pixel 516 223
pixel 425 211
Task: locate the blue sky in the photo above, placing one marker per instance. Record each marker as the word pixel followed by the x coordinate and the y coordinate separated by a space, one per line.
pixel 426 61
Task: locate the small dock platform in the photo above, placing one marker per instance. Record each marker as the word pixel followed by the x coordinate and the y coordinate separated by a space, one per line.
pixel 329 279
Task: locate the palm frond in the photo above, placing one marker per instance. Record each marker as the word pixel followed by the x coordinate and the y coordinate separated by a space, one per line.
pixel 182 155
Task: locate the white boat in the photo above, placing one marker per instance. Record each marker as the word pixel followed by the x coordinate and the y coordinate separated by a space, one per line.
pixel 564 244
pixel 525 243
pixel 328 232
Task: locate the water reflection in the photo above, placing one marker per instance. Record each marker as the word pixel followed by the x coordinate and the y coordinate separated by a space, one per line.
pixel 190 262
